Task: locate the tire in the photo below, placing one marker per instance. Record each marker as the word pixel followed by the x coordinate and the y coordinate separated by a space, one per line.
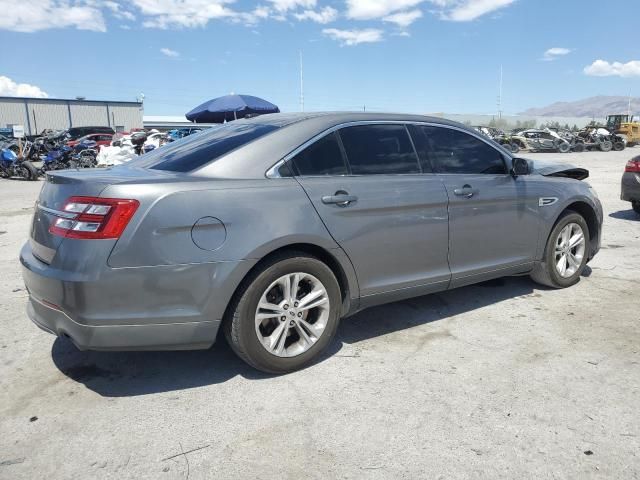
pixel 30 172
pixel 618 146
pixel 636 207
pixel 606 146
pixel 578 147
pixel 248 338
pixel 546 272
pixel 515 148
pixel 564 147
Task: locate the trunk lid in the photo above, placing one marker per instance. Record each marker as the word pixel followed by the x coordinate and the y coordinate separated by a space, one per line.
pixel 57 189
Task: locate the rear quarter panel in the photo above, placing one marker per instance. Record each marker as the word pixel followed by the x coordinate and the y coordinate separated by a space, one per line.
pixel 257 217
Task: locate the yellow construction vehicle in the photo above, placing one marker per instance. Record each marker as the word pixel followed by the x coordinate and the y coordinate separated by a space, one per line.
pixel 627 125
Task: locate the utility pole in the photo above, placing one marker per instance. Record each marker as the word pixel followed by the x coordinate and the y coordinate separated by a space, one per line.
pixel 301 85
pixel 500 95
pixel 629 108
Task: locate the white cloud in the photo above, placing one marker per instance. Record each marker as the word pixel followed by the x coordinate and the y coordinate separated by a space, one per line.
pixel 169 53
pixel 286 5
pixel 354 37
pixel 326 15
pixel 468 10
pixel 403 19
pixel 117 10
pixel 35 15
pixel 372 9
pixel 9 88
pixel 602 68
pixel 182 13
pixel 555 53
pixel 454 10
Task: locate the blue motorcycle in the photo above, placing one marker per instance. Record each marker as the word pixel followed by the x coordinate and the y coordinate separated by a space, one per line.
pixel 11 165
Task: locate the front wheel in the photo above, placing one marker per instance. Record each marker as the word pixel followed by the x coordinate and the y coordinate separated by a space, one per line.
pixel 285 314
pixel 566 253
pixel 28 171
pixel 515 148
pixel 618 146
pixel 606 146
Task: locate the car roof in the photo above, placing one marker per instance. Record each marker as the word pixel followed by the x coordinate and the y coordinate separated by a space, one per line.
pixel 296 129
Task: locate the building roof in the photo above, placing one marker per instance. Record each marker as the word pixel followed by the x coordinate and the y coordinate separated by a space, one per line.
pixel 71 100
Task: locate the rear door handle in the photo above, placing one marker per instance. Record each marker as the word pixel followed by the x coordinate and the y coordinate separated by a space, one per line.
pixel 340 199
pixel 466 191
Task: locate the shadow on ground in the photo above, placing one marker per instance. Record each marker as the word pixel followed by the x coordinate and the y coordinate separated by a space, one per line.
pixel 625 215
pixel 121 374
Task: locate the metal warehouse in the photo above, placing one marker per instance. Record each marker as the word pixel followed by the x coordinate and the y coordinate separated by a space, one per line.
pixel 38 114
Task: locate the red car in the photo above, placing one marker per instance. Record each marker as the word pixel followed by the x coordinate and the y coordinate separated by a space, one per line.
pixel 102 139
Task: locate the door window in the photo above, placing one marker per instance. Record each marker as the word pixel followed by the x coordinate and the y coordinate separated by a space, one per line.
pixel 453 151
pixel 321 158
pixel 379 149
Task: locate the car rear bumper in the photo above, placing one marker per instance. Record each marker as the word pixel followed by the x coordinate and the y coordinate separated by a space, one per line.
pixel 630 187
pixel 171 307
pixel 170 336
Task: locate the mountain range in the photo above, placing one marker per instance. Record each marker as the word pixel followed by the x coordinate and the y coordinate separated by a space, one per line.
pixel 599 106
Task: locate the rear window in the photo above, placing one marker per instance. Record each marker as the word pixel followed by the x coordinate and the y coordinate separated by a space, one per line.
pixel 323 157
pixel 201 148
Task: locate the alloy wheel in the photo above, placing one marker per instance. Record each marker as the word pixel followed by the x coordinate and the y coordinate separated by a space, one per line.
pixel 292 314
pixel 569 251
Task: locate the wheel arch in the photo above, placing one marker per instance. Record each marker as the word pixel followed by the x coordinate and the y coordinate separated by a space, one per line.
pixel 589 214
pixel 336 260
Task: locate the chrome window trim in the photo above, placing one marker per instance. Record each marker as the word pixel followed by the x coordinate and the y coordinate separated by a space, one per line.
pixel 273 171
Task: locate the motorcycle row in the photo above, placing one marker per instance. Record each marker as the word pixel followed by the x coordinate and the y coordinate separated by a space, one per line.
pixel 18 158
pixel 552 140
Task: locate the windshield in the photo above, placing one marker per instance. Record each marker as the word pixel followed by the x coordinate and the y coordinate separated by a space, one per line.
pixel 199 149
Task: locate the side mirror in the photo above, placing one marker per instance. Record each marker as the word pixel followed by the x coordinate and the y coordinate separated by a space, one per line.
pixel 519 167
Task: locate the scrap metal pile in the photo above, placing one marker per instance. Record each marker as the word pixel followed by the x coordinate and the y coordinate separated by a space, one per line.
pixel 557 140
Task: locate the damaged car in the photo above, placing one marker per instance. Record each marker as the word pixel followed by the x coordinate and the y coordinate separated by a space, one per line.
pixel 272 229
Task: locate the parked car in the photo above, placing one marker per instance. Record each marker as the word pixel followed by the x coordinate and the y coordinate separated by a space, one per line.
pixel 101 139
pixel 75 133
pixel 631 184
pixel 274 228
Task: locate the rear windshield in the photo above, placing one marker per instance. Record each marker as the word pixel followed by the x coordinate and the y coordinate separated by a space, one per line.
pixel 204 147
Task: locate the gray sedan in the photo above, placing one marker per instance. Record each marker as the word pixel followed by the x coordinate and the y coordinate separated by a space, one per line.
pixel 274 228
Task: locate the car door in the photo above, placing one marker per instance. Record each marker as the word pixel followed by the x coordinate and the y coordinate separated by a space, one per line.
pixel 493 217
pixel 388 215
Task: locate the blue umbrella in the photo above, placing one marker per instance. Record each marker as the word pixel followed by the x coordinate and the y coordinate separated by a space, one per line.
pixel 230 107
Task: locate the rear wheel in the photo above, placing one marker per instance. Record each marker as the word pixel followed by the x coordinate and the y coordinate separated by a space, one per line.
pixel 636 207
pixel 565 254
pixel 515 148
pixel 564 147
pixel 285 314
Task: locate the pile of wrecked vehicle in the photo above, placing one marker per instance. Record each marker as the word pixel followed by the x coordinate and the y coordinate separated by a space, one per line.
pixel 75 148
pixel 563 141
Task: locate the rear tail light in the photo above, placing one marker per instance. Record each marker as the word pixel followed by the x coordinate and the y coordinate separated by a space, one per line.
pixel 94 218
pixel 633 166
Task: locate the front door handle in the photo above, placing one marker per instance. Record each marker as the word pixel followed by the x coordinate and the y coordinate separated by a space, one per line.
pixel 342 199
pixel 466 191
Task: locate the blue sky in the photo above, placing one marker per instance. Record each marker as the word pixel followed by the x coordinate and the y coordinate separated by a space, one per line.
pixel 393 55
